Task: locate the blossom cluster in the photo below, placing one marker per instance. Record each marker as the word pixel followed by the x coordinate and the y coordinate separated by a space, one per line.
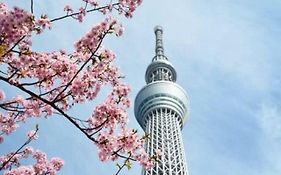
pixel 111 113
pixel 11 162
pixel 58 77
pixel 131 6
pixel 21 109
pixel 111 146
pixel 123 7
pixel 17 26
pixel 42 164
pixel 115 138
pixel 14 24
pixel 91 41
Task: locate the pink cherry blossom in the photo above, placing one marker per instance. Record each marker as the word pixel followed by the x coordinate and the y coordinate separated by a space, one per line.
pixel 15 23
pixel 57 163
pixel 2 95
pixel 159 153
pixel 7 123
pixel 68 9
pixel 32 135
pixel 44 22
pixel 22 170
pixel 92 2
pixel 144 160
pixel 81 15
pixel 41 166
pixel 120 30
pixel 28 151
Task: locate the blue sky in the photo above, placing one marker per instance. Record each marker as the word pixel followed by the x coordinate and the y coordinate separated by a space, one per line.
pixel 228 58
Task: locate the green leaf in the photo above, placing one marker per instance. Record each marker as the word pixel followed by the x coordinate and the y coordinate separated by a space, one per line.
pixel 3 49
pixel 128 164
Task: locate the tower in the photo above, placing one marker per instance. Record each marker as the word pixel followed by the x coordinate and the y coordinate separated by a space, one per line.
pixel 161 109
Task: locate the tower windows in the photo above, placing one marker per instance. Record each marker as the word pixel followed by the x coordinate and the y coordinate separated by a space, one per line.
pixel 161 74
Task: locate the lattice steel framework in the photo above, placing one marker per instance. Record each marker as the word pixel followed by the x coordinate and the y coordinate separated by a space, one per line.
pixel 162 108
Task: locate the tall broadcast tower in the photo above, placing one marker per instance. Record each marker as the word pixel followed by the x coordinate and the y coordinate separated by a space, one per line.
pixel 161 108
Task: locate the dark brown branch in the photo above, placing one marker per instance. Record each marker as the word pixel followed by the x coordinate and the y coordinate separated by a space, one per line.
pixel 51 104
pixel 31 6
pixel 99 126
pixel 3 72
pixel 9 109
pixel 18 150
pixel 41 95
pixel 14 46
pixel 124 157
pixel 78 119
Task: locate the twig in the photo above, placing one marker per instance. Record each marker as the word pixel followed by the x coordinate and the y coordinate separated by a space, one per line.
pixel 14 46
pixel 31 6
pixel 77 13
pixel 18 150
pixel 124 164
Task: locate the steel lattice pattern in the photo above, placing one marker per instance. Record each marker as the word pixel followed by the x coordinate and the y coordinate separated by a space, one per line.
pixel 165 134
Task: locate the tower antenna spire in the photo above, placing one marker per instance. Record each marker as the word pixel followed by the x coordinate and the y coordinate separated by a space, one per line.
pixel 159 49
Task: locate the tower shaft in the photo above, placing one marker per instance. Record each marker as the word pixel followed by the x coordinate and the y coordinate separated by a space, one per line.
pixel 165 135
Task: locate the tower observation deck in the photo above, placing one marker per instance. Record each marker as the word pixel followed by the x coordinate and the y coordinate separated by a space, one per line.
pixel 161 109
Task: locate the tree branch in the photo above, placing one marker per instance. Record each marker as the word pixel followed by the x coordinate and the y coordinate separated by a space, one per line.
pixel 31 6
pixel 77 13
pixel 18 150
pixel 124 164
pixel 52 105
pixel 14 46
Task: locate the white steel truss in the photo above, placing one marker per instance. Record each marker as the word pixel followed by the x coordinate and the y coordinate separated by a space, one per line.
pixel 165 134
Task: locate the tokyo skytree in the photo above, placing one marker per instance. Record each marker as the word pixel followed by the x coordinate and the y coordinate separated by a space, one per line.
pixel 161 109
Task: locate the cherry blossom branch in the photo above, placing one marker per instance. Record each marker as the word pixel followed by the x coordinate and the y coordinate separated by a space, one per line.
pixel 125 157
pixel 126 163
pixel 99 126
pixel 51 104
pixel 8 109
pixel 77 13
pixel 89 136
pixel 52 90
pixel 38 82
pixel 9 50
pixel 75 80
pixel 30 138
pixel 84 64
